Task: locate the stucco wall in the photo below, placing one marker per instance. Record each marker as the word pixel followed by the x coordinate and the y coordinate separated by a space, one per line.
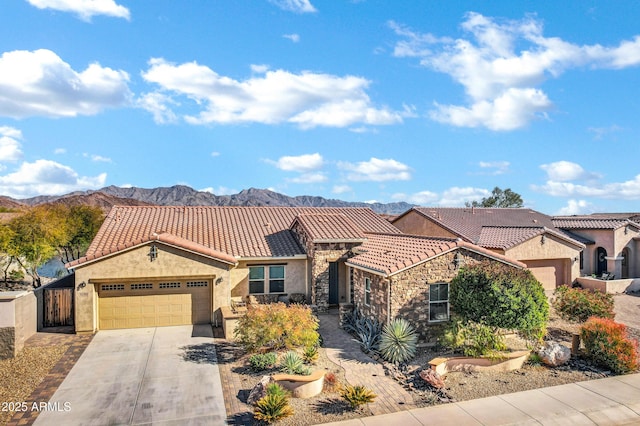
pixel 416 224
pixel 295 276
pixel 136 264
pixel 18 321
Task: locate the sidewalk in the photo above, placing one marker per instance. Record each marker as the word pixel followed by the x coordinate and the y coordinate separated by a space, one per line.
pixel 610 401
pixel 360 369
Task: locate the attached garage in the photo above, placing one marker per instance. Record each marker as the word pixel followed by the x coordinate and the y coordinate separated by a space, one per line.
pixel 151 304
pixel 552 273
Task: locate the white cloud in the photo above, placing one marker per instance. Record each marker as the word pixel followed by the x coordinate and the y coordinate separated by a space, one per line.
pixel 259 68
pixel 215 154
pixel 97 158
pixel 299 163
pixel 601 132
pixel 575 207
pixel 39 83
pixel 298 6
pixel 45 177
pixel 627 190
pixel 500 63
pixel 377 170
pixel 316 177
pixel 10 149
pixel 221 190
pixel 293 37
pixel 562 171
pixel 85 9
pixel 452 197
pixel 158 104
pixel 307 99
pixel 59 151
pixel 495 168
pixel 341 189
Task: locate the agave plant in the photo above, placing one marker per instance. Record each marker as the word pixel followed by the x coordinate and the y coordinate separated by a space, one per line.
pixel 291 363
pixel 272 408
pixel 365 330
pixel 357 395
pixel 398 341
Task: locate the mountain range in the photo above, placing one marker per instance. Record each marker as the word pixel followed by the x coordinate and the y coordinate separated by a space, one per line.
pixel 181 195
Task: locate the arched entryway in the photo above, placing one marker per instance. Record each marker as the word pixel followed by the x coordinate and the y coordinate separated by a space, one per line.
pixel 601 261
pixel 625 263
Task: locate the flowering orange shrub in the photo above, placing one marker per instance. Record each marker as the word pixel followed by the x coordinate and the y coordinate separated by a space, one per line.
pixel 607 344
pixel 576 304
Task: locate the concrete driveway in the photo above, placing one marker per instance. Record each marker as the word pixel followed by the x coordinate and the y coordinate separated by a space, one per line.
pixel 164 375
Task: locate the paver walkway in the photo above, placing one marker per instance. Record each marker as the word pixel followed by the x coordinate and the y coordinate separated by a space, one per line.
pixel 360 369
pixel 49 385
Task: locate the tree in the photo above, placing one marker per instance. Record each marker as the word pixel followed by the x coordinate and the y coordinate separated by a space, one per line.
pixel 499 198
pixel 6 259
pixel 81 224
pixel 500 296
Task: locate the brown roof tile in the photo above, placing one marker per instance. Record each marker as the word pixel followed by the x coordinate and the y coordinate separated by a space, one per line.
pixel 236 231
pixel 390 253
pixel 330 227
pixel 592 222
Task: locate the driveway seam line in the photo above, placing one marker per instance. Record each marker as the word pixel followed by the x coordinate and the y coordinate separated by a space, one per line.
pixel 144 371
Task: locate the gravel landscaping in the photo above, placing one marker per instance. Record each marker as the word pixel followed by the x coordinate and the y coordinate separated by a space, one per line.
pixel 21 375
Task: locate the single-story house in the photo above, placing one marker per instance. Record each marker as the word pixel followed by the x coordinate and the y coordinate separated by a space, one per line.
pixel 612 243
pixel 520 234
pixel 408 276
pixel 167 265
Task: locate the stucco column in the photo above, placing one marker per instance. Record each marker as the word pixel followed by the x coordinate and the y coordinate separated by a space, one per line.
pixel 614 265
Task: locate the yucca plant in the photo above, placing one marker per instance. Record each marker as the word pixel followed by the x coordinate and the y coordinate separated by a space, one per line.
pixel 310 354
pixel 398 341
pixel 291 363
pixel 357 395
pixel 272 408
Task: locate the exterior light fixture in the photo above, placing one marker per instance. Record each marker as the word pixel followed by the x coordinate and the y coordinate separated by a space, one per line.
pixel 458 260
pixel 153 252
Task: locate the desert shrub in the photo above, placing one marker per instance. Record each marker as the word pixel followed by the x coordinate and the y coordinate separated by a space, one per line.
pixel 260 362
pixel 473 339
pixel 277 326
pixel 575 304
pixel 272 407
pixel 276 389
pixel 310 354
pixel 534 359
pixel 606 343
pixel 366 331
pixel 357 395
pixel 500 296
pixel 331 382
pixel 299 298
pixel 398 341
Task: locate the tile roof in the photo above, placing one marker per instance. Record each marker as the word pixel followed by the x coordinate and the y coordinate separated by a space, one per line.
pixel 501 228
pixel 388 254
pixel 236 231
pixel 592 222
pixel 330 227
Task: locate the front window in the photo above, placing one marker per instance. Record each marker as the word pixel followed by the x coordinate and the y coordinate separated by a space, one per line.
pixel 256 279
pixel 276 279
pixel 438 302
pixel 367 291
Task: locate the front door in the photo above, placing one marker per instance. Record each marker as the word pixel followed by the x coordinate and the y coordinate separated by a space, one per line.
pixel 333 283
pixel 601 261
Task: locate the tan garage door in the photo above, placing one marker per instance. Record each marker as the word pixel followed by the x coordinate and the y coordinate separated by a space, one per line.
pixel 150 304
pixel 550 272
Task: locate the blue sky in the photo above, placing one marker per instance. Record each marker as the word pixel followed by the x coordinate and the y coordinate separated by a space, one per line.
pixel 433 103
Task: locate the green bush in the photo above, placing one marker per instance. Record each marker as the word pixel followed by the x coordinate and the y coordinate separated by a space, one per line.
pixel 473 339
pixel 310 354
pixel 357 395
pixel 606 343
pixel 579 305
pixel 274 388
pixel 500 296
pixel 272 407
pixel 291 363
pixel 277 326
pixel 260 362
pixel 398 341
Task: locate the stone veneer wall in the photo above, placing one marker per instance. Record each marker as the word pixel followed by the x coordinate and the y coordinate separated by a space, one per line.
pixel 323 254
pixel 410 292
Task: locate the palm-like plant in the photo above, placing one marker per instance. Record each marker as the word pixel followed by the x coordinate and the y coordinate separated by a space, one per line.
pixel 398 342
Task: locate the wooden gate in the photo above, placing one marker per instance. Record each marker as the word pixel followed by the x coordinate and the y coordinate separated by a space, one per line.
pixel 58 307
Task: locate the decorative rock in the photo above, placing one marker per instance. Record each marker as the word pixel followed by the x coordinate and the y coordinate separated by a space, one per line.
pixel 433 378
pixel 259 391
pixel 554 354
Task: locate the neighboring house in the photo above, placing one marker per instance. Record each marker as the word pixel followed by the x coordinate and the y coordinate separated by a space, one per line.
pixel 407 276
pixel 613 243
pixel 164 265
pixel 520 234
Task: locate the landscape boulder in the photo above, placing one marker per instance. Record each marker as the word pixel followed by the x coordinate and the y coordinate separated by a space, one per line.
pixel 554 354
pixel 433 378
pixel 259 390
